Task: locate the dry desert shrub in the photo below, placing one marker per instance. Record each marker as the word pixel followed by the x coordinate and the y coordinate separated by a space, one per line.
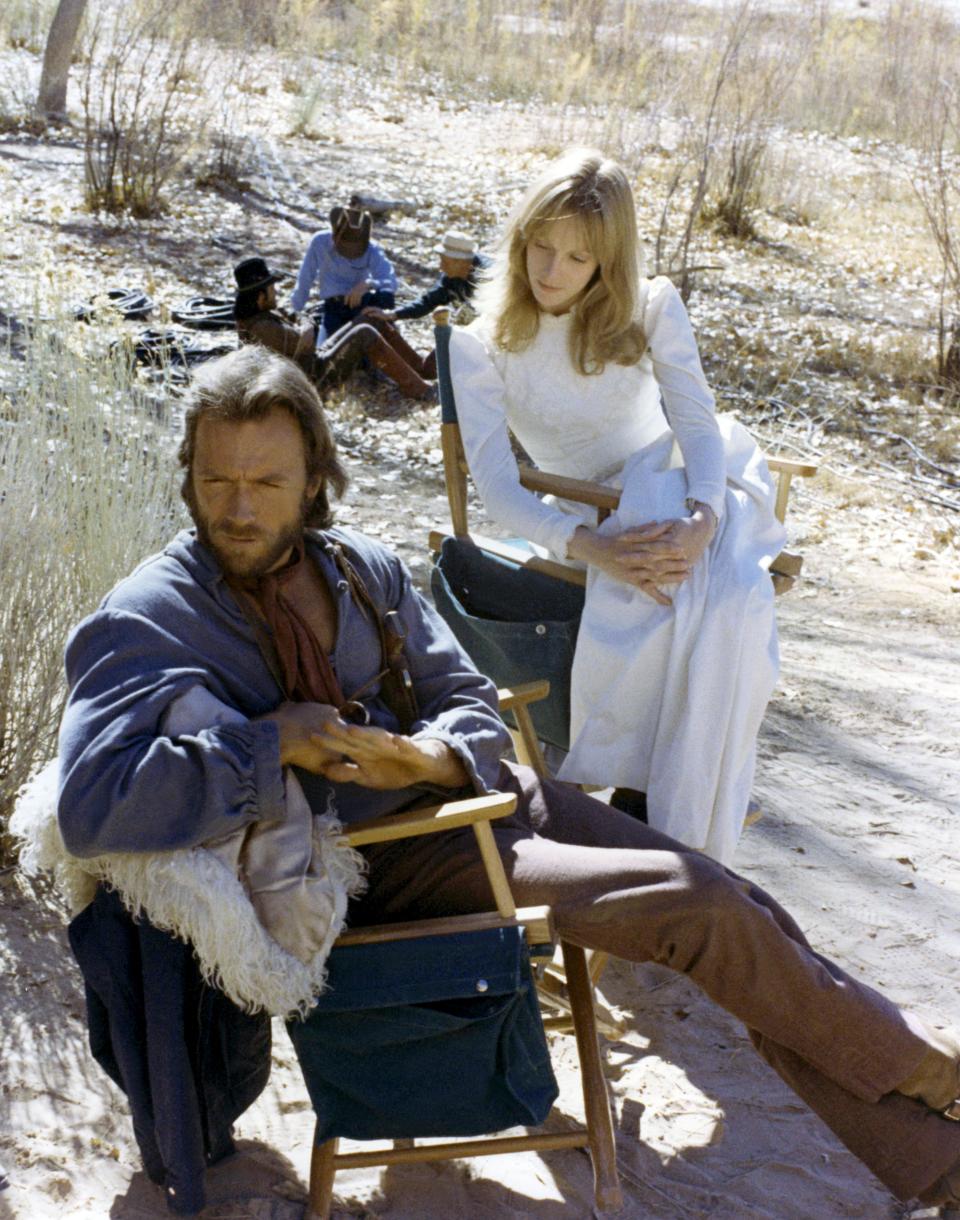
pixel 862 70
pixel 24 23
pixel 17 88
pixel 143 103
pixel 87 488
pixel 934 175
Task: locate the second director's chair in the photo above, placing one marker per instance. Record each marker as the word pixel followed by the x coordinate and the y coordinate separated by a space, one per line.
pixel 432 1028
pixel 515 612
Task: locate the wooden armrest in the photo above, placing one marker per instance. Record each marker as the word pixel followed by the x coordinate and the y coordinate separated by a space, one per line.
pixel 779 465
pixel 787 563
pixel 430 820
pixel 522 694
pixel 785 469
pixel 583 491
pixel 536 921
pixel 595 494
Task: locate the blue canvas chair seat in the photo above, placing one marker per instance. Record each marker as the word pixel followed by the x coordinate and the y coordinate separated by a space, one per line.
pixel 400 1021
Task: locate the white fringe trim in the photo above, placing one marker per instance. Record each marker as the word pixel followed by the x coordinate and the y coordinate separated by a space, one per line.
pixel 194 896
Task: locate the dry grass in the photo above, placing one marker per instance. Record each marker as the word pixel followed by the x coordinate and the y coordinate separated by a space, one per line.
pixel 24 23
pixel 87 489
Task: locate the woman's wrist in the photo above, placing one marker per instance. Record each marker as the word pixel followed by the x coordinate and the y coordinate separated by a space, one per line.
pixel 699 510
pixel 581 544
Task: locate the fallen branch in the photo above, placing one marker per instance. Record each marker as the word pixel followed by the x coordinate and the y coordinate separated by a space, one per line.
pixel 895 436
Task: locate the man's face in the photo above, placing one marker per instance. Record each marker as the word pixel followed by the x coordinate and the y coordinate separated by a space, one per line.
pixel 456 268
pixel 267 297
pixel 250 491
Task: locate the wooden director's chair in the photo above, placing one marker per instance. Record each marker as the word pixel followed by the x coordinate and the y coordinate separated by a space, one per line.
pixel 783 571
pixel 535 926
pixel 510 671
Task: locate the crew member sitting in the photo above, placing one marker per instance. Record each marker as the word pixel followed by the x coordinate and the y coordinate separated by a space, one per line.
pixel 259 320
pixel 460 262
pixel 349 270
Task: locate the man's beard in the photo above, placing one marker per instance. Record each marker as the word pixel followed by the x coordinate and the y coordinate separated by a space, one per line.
pixel 235 561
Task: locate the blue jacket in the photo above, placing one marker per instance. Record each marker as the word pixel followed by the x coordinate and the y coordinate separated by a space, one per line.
pixel 187 1059
pixel 173 624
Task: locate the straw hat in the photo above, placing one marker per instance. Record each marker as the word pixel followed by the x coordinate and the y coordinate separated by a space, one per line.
pixel 458 246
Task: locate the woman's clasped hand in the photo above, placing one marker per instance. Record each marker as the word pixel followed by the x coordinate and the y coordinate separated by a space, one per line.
pixel 647 556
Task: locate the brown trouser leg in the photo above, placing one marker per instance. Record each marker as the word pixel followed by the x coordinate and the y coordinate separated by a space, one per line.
pixel 617 885
pixel 423 366
pixel 339 357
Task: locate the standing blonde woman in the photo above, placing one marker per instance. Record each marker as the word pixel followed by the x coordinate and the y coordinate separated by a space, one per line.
pixel 596 372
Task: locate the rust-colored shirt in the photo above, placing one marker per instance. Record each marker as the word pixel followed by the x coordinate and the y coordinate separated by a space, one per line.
pixel 297 606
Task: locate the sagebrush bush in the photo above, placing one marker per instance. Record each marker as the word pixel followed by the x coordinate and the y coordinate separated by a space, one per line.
pixel 88 486
pixel 143 104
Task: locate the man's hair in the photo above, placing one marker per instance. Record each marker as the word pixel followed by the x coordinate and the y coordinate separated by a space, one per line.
pixel 245 302
pixel 588 187
pixel 247 385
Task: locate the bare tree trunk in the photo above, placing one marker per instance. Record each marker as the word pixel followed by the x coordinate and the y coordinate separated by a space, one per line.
pixel 52 95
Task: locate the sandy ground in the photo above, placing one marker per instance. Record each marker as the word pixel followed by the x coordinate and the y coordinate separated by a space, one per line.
pixel 858 779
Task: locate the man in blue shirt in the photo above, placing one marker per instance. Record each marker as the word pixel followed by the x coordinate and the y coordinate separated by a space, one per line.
pixel 348 270
pixel 253 608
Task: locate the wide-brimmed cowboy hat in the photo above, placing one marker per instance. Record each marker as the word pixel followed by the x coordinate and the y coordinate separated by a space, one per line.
pixel 457 245
pixel 351 231
pixel 252 274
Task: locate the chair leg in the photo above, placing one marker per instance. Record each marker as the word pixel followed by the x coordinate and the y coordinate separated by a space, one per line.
pixel 322 1170
pixel 595 1100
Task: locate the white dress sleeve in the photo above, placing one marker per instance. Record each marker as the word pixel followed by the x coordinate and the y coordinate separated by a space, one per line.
pixel 687 399
pixel 483 426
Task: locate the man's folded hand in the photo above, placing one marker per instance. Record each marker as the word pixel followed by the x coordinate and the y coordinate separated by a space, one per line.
pixel 376 758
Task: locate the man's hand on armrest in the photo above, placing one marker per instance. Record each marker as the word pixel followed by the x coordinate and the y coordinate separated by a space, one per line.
pixel 375 758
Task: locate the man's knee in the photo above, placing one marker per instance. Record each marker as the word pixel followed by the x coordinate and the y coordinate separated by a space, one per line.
pixel 706 895
pixel 362 336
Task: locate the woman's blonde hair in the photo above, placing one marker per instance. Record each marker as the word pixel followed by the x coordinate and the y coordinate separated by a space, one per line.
pixel 584 185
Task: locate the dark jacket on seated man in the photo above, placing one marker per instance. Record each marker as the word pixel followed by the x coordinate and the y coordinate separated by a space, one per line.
pixel 270 328
pixel 460 264
pixel 259 321
pixel 448 290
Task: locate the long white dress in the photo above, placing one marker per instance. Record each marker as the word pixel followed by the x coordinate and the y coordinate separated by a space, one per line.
pixel 667 700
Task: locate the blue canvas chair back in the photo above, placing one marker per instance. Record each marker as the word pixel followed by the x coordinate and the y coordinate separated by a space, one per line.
pixel 516 625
